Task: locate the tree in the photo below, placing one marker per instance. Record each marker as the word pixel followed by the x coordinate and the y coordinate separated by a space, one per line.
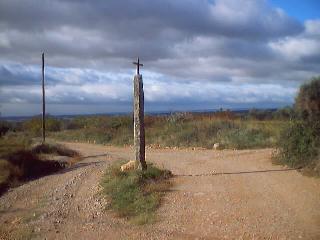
pixel 308 100
pixel 299 142
pixel 285 113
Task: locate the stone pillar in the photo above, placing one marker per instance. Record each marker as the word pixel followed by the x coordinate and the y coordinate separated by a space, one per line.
pixel 138 115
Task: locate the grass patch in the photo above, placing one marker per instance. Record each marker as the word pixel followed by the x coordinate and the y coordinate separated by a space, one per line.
pixel 135 194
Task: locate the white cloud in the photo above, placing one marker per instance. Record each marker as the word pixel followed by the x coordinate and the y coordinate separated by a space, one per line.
pixel 306 44
pixel 296 48
pixel 313 27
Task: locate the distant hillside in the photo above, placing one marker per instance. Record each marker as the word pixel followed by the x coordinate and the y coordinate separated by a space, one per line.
pixel 151 113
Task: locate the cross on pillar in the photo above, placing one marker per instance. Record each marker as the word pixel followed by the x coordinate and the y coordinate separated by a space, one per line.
pixel 138 116
pixel 138 64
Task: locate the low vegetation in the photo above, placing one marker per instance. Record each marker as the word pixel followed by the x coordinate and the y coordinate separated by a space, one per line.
pixel 298 146
pixel 299 142
pixel 135 194
pixel 34 125
pixel 177 130
pixel 20 161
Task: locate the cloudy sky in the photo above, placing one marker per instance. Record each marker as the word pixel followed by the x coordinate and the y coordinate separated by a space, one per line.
pixel 198 54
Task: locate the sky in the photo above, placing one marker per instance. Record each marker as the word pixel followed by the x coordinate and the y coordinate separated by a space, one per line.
pixel 197 54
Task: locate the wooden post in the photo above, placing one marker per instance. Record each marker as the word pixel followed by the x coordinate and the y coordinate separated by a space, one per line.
pixel 43 104
pixel 138 115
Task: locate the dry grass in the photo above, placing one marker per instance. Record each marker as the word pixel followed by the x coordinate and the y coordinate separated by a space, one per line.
pixel 179 130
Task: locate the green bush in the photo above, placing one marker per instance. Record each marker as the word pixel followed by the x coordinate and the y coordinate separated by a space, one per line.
pixel 308 100
pixel 286 113
pixel 299 141
pixel 298 144
pixel 34 125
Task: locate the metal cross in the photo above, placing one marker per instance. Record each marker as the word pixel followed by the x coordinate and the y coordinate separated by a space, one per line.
pixel 138 65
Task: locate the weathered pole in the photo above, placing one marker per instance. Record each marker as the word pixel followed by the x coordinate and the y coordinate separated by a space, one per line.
pixel 43 104
pixel 138 116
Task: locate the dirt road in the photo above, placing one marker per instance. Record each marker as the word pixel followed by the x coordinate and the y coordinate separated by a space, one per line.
pixel 245 197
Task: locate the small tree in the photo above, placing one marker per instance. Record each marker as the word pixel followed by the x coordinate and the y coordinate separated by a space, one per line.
pixel 299 142
pixel 286 113
pixel 34 125
pixel 308 100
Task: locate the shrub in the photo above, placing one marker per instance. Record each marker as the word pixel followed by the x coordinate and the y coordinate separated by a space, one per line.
pixel 4 128
pixel 178 117
pixel 34 125
pixel 308 100
pixel 298 145
pixel 286 113
pixel 259 114
pixel 299 142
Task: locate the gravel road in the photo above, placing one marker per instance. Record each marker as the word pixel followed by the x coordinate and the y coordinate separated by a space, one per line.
pixel 244 196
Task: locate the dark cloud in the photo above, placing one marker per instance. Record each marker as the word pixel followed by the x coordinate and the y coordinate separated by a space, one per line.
pixel 17 74
pixel 184 44
pixel 98 30
pixel 146 19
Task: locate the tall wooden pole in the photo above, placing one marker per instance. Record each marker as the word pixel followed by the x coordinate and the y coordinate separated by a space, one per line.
pixel 138 115
pixel 43 104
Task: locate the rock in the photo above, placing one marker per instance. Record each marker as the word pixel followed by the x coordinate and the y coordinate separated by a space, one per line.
pixel 216 146
pixel 44 216
pixel 128 166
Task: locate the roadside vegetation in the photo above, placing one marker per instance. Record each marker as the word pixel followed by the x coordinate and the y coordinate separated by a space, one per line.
pixel 21 160
pixel 232 130
pixel 299 142
pixel 135 194
pixel 256 129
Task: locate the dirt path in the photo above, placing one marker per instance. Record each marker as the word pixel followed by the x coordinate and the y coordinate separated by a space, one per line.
pixel 245 202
